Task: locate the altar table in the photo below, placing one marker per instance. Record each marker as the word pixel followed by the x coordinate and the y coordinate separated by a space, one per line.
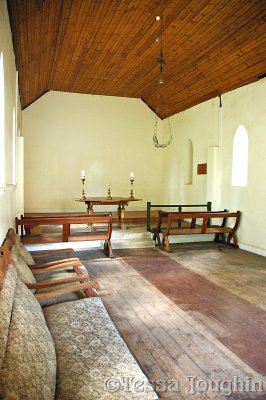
pixel 121 202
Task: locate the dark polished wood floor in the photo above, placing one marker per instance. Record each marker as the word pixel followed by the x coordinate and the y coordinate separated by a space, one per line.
pixel 194 319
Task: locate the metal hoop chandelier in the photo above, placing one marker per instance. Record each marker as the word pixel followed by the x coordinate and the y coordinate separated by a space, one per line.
pixel 161 102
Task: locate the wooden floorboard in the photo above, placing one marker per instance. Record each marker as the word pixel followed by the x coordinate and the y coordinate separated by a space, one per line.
pixel 172 342
pixel 241 272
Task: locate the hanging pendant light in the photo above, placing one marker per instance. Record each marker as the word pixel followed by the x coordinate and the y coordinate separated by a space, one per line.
pixel 161 103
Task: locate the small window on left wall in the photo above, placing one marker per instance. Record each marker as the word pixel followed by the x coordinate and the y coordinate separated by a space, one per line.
pixel 2 122
pixel 14 147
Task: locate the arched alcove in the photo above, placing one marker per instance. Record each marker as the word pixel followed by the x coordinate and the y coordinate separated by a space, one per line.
pixel 240 157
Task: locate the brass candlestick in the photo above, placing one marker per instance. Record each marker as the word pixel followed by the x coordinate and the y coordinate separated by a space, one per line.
pixel 109 197
pixel 83 196
pixel 131 197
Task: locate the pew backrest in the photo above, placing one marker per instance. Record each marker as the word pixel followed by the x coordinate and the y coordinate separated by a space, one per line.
pixel 198 223
pixel 179 207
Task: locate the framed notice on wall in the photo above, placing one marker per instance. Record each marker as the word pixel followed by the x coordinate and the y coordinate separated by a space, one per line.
pixel 202 169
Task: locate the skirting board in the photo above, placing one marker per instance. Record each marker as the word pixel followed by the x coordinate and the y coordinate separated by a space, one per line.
pixel 65 245
pixel 209 238
pixel 96 245
pixel 257 250
pixel 190 238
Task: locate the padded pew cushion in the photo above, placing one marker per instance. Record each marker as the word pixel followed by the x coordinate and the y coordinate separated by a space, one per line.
pixel 28 369
pixel 87 342
pixel 24 272
pixel 23 252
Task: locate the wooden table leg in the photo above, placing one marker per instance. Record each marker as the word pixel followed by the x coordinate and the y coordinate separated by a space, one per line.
pixel 66 232
pixel 121 216
pixel 90 212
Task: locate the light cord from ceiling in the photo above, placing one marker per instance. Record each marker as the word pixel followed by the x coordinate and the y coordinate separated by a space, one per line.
pixel 161 101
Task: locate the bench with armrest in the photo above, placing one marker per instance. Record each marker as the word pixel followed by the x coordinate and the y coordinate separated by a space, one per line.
pixel 104 220
pixel 51 283
pixel 190 225
pixel 64 271
pixel 31 259
pixel 64 351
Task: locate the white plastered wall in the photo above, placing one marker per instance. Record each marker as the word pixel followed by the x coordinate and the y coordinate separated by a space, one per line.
pixel 199 125
pixel 247 106
pixel 11 197
pixel 108 137
pixel 211 130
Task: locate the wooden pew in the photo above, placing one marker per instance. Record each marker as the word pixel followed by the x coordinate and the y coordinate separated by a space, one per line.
pixel 67 221
pixel 190 225
pixel 163 220
pixel 27 228
pixel 207 206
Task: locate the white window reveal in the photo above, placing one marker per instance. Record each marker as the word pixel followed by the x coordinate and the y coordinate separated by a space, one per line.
pixel 14 146
pixel 2 122
pixel 189 163
pixel 240 157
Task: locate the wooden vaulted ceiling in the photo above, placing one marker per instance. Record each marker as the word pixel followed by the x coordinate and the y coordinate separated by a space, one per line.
pixel 109 47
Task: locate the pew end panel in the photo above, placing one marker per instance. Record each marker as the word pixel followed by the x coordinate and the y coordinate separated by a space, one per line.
pixel 199 223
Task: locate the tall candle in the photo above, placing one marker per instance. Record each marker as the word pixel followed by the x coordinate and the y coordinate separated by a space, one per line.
pixel 82 174
pixel 131 175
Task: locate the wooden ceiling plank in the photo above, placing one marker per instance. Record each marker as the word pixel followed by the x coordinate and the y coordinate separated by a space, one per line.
pixel 36 38
pixel 40 39
pixel 51 20
pixel 185 31
pixel 198 47
pixel 94 58
pixel 215 73
pixel 229 75
pixel 172 15
pixel 218 56
pixel 89 58
pixel 122 70
pixel 125 60
pixel 30 54
pixel 89 55
pixel 197 95
pixel 27 28
pixel 208 70
pixel 109 47
pixel 70 43
pixel 100 59
pixel 211 74
pixel 62 15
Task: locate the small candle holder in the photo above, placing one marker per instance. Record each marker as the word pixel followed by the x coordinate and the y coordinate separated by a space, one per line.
pixel 83 196
pixel 109 197
pixel 131 178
